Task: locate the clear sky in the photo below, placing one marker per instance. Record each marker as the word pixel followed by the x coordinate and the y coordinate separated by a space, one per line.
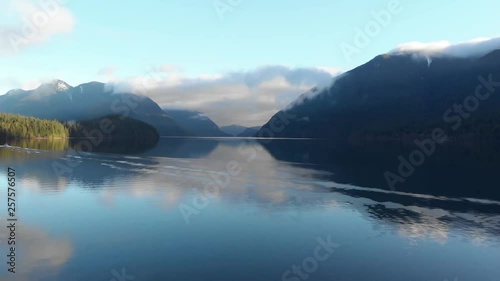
pixel 118 40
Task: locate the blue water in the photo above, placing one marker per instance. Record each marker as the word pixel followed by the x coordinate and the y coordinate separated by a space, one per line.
pixel 145 217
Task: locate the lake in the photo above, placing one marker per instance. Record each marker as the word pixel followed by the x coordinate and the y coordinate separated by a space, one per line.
pixel 236 210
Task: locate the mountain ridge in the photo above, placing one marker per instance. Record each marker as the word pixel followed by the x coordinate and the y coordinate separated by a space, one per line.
pixel 59 101
pixel 388 92
pixel 195 122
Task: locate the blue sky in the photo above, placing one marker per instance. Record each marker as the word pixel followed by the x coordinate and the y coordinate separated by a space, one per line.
pixel 119 40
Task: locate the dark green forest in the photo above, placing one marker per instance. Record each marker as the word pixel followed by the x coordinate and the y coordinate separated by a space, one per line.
pixel 112 127
pixel 103 129
pixel 18 126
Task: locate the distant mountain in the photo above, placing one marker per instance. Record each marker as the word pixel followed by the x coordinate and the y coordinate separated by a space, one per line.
pixel 240 131
pixel 128 135
pixel 249 132
pixel 398 96
pixel 58 100
pixel 123 129
pixel 196 123
pixel 118 135
pixel 233 130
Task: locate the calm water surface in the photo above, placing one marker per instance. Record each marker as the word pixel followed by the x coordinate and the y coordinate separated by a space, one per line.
pixel 145 216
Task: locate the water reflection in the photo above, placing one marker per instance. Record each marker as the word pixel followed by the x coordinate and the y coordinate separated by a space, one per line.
pixel 261 180
pixel 454 171
pixel 39 144
pixel 39 254
pixel 287 190
pixel 417 217
pixel 183 148
pixel 117 146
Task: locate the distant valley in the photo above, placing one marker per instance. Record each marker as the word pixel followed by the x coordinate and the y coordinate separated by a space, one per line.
pixel 241 131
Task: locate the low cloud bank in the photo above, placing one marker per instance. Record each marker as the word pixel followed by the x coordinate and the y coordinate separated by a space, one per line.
pixel 248 98
pixel 473 48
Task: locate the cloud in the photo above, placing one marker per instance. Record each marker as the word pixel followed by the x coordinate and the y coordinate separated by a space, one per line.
pixel 168 68
pixel 242 97
pixel 9 83
pixel 199 116
pixel 311 94
pixel 332 70
pixel 31 85
pixel 108 72
pixel 30 23
pixel 40 251
pixel 472 48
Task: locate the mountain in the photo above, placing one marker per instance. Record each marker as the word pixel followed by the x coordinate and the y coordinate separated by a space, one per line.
pixel 240 131
pixel 127 135
pixel 112 134
pixel 58 100
pixel 249 132
pixel 233 130
pixel 196 123
pixel 397 96
pixel 120 129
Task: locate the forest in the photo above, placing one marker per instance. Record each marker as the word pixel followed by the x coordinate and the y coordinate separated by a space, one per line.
pixel 18 126
pixel 107 128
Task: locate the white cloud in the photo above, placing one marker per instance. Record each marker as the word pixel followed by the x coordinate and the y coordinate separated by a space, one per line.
pixel 168 68
pixel 9 83
pixel 31 85
pixel 332 70
pixel 39 248
pixel 245 97
pixel 472 48
pixel 199 116
pixel 107 72
pixel 311 94
pixel 33 22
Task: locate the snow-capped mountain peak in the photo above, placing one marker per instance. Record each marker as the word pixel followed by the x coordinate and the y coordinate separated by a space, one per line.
pixel 60 85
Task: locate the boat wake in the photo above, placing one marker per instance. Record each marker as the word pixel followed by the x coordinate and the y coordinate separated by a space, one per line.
pixel 20 149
